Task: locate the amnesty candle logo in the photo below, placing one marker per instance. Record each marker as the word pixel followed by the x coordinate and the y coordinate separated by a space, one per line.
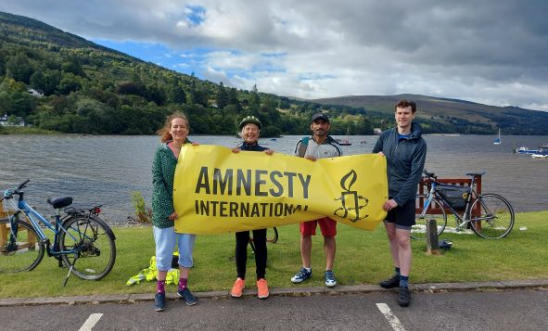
pixel 350 200
pixel 218 191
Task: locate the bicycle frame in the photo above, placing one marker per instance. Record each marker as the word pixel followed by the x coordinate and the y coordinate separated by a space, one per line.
pixel 466 217
pixel 35 220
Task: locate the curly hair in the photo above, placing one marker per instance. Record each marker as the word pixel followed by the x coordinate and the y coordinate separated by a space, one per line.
pixel 406 103
pixel 164 131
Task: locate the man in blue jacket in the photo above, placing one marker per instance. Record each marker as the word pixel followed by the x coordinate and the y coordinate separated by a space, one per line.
pixel 405 152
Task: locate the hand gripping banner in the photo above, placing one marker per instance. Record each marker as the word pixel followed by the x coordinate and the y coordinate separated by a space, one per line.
pixel 218 191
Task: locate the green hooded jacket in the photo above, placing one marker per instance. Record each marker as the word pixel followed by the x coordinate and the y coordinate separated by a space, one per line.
pixel 163 174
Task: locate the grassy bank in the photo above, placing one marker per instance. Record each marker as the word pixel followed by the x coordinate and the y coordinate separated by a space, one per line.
pixel 25 130
pixel 362 258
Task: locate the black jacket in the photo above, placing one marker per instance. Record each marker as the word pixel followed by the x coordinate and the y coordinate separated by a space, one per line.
pixel 255 147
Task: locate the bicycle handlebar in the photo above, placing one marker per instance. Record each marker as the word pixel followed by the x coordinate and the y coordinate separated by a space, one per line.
pixel 8 194
pixel 22 185
pixel 429 174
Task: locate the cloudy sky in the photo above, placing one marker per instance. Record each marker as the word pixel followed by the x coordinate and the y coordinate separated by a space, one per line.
pixel 488 51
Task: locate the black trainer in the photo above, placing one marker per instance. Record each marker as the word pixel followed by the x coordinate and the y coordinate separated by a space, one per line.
pixel 404 298
pixel 187 297
pixel 160 302
pixel 391 282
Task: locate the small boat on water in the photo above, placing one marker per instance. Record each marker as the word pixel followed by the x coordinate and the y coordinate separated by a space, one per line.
pixel 497 140
pixel 526 150
pixel 343 142
pixel 539 156
pixel 542 152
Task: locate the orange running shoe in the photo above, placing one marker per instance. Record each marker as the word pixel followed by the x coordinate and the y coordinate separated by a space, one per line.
pixel 237 288
pixel 262 289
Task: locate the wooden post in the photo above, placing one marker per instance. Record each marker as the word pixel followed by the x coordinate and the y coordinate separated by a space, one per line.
pixel 432 246
pixel 3 236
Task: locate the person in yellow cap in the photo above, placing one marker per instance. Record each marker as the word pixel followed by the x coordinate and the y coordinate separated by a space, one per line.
pixel 250 128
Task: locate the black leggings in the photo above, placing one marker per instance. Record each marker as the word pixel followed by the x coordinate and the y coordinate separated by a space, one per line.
pixel 259 240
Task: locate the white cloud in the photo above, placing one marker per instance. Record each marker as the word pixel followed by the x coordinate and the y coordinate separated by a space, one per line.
pixel 489 51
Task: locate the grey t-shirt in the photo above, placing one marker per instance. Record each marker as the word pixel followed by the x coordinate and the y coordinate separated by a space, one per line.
pixel 329 148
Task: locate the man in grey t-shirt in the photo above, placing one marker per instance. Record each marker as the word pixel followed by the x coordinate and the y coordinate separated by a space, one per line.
pixel 319 145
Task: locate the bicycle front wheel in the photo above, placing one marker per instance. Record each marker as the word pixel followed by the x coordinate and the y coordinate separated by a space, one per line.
pixel 418 231
pixel 492 216
pixel 20 248
pixel 92 244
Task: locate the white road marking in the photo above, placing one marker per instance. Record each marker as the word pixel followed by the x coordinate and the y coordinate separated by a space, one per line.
pixel 392 319
pixel 90 322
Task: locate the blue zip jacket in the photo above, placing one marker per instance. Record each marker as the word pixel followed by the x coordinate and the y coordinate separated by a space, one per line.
pixel 405 158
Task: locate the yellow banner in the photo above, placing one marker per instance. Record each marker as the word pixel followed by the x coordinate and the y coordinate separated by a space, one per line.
pixel 218 191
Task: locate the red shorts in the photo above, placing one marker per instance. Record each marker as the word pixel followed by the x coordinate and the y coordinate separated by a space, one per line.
pixel 327 225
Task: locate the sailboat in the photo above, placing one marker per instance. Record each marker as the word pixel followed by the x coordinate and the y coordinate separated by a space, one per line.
pixel 497 140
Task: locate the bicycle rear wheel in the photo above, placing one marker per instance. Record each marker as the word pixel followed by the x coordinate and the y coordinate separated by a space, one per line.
pixel 93 242
pixel 418 231
pixel 495 218
pixel 20 248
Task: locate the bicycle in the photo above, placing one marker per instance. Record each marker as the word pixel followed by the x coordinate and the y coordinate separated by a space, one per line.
pixel 271 237
pixel 489 215
pixel 82 241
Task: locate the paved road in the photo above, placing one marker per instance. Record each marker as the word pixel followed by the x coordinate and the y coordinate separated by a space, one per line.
pixel 500 310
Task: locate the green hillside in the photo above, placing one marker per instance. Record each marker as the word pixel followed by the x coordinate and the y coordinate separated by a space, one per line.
pixel 88 88
pixel 452 115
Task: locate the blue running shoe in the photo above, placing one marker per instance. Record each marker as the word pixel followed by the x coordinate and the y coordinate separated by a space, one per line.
pixel 160 302
pixel 301 276
pixel 330 278
pixel 189 299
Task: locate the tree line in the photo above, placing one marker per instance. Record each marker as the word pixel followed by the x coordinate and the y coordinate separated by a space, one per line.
pixel 93 92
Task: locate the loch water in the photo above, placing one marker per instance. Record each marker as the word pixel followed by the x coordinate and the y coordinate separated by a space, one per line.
pixel 106 169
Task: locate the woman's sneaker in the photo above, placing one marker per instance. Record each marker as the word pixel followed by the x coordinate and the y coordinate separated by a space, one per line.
pixel 160 302
pixel 330 278
pixel 237 288
pixel 262 289
pixel 301 276
pixel 188 298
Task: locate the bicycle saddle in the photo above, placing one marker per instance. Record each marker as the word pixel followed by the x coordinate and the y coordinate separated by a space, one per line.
pixel 60 202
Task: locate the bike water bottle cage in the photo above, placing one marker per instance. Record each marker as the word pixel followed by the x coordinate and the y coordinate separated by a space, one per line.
pixel 58 203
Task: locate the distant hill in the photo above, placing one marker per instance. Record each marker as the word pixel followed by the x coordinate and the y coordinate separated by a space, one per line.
pixel 453 115
pixel 58 81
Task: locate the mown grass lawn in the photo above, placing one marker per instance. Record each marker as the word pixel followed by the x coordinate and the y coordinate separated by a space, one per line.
pixel 362 258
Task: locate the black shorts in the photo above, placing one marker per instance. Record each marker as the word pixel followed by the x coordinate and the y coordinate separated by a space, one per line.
pixel 403 216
